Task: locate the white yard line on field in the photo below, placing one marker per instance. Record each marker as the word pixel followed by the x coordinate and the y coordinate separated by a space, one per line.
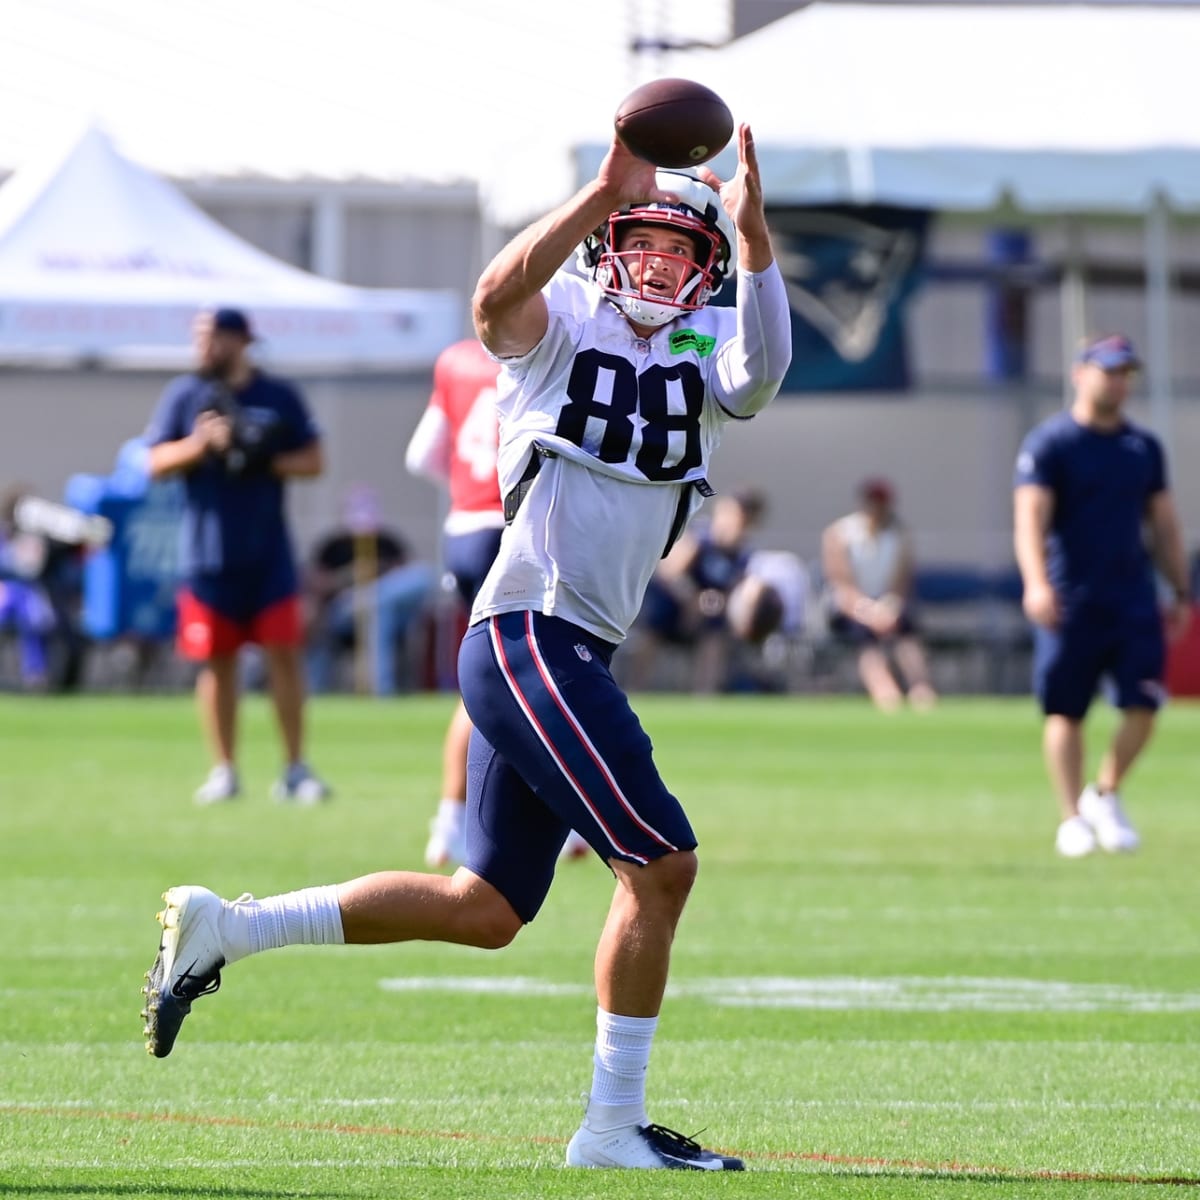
pixel 907 993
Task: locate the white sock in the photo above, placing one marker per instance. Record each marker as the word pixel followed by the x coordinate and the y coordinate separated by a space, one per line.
pixel 618 1095
pixel 450 815
pixel 309 917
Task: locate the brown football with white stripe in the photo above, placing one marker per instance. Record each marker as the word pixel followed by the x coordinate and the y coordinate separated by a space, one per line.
pixel 674 122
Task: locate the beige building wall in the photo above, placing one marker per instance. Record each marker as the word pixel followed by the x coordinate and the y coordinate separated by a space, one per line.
pixel 950 457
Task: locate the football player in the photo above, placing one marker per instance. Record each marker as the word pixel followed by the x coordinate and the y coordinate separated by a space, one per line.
pixel 613 394
pixel 454 445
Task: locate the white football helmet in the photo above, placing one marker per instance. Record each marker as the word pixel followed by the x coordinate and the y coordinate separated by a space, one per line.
pixel 699 214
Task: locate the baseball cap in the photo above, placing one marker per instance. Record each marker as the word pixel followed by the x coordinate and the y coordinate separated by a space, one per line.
pixel 1110 353
pixel 233 320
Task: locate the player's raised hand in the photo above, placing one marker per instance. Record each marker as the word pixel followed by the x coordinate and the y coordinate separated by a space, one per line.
pixel 742 198
pixel 628 179
pixel 741 195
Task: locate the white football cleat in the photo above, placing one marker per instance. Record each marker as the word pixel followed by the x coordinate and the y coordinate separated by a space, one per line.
pixel 188 965
pixel 1075 838
pixel 221 785
pixel 1103 812
pixel 650 1147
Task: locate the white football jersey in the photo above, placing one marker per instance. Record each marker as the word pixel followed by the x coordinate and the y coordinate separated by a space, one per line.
pixel 625 428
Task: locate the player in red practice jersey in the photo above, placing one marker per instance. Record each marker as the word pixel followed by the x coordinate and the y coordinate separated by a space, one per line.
pixel 454 445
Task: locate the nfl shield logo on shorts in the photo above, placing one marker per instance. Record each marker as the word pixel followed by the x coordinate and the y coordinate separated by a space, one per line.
pixel 584 653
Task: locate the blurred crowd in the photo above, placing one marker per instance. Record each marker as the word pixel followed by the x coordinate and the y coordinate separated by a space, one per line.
pixel 723 613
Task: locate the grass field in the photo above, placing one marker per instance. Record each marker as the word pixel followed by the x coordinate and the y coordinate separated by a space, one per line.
pixel 886 985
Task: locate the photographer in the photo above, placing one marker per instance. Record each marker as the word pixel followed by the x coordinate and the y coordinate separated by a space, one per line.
pixel 236 435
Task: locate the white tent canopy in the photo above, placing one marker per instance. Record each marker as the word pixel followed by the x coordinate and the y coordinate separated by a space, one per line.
pixel 102 261
pixel 1065 108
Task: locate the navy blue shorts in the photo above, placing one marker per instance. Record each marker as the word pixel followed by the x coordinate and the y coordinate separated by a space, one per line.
pixel 1070 662
pixel 555 747
pixel 855 633
pixel 243 594
pixel 468 557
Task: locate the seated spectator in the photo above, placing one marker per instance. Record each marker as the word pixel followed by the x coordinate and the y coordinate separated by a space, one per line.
pixel 784 574
pixel 867 559
pixel 686 603
pixel 361 582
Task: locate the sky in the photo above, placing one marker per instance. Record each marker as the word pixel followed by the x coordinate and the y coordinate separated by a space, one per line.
pixel 389 89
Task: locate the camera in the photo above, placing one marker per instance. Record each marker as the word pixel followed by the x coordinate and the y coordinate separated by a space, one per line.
pixel 255 433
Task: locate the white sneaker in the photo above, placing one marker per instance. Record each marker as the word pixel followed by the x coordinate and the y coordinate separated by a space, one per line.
pixel 299 785
pixel 221 785
pixel 574 847
pixel 188 965
pixel 644 1146
pixel 1075 838
pixel 447 843
pixel 1103 812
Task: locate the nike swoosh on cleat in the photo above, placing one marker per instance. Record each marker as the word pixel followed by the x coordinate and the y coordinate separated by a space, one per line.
pixel 200 985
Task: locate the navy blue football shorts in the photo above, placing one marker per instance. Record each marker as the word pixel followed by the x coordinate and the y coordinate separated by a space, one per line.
pixel 468 557
pixel 1069 663
pixel 556 747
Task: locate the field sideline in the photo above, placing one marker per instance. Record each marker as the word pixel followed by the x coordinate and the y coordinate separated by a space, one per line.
pixel 886 985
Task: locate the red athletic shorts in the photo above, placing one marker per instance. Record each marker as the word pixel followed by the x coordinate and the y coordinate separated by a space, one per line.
pixel 204 633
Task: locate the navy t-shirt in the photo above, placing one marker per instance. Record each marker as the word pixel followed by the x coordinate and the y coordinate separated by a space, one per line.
pixel 233 522
pixel 1102 484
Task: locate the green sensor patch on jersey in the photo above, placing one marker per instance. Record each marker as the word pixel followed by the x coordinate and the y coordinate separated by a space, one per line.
pixel 683 340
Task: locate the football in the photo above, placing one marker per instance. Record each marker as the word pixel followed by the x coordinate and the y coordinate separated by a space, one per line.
pixel 674 122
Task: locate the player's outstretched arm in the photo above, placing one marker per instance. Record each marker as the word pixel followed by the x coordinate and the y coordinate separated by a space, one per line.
pixel 429 449
pixel 508 308
pixel 751 367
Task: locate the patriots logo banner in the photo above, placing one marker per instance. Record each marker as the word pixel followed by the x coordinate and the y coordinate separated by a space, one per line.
pixel 850 272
